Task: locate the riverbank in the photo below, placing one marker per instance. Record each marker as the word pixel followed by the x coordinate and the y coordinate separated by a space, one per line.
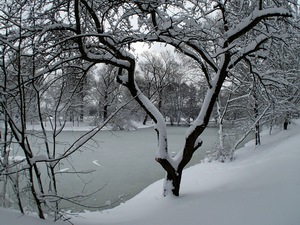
pixel 261 187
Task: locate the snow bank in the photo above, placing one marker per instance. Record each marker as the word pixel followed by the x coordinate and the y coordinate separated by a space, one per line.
pixel 12 217
pixel 262 187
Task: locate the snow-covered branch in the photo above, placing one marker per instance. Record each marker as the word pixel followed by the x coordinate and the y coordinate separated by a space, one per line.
pixel 252 20
pixel 251 128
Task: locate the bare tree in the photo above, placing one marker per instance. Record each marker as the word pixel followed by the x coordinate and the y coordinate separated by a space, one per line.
pixel 188 29
pixel 105 91
pixel 35 91
pixel 160 72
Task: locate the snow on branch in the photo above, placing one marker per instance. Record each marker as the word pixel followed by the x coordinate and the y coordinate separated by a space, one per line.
pixel 107 57
pixel 160 125
pixel 251 128
pixel 251 21
pixel 250 48
pixel 38 158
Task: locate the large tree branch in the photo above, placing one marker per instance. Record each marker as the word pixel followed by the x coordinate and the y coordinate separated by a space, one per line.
pixel 251 21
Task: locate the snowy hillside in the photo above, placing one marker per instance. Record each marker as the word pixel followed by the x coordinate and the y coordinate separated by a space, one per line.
pixel 261 187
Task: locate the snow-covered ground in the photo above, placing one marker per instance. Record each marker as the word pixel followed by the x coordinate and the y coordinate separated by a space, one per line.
pixel 261 187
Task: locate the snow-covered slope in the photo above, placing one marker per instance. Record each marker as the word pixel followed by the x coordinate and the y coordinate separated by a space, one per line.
pixel 261 187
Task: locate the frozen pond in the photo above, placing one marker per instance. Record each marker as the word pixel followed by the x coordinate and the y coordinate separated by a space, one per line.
pixel 123 164
pixel 123 161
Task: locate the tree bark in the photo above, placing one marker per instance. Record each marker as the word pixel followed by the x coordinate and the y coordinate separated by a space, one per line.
pixel 173 177
pixel 145 119
pixel 285 125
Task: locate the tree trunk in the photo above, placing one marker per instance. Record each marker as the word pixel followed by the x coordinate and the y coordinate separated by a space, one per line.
pixel 145 119
pixel 286 121
pixel 105 109
pixel 171 121
pixel 178 118
pixel 17 192
pixel 81 110
pixel 285 124
pixel 35 195
pixel 257 134
pixel 173 177
pixel 176 180
pixel 256 114
pixel 81 114
pixel 220 122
